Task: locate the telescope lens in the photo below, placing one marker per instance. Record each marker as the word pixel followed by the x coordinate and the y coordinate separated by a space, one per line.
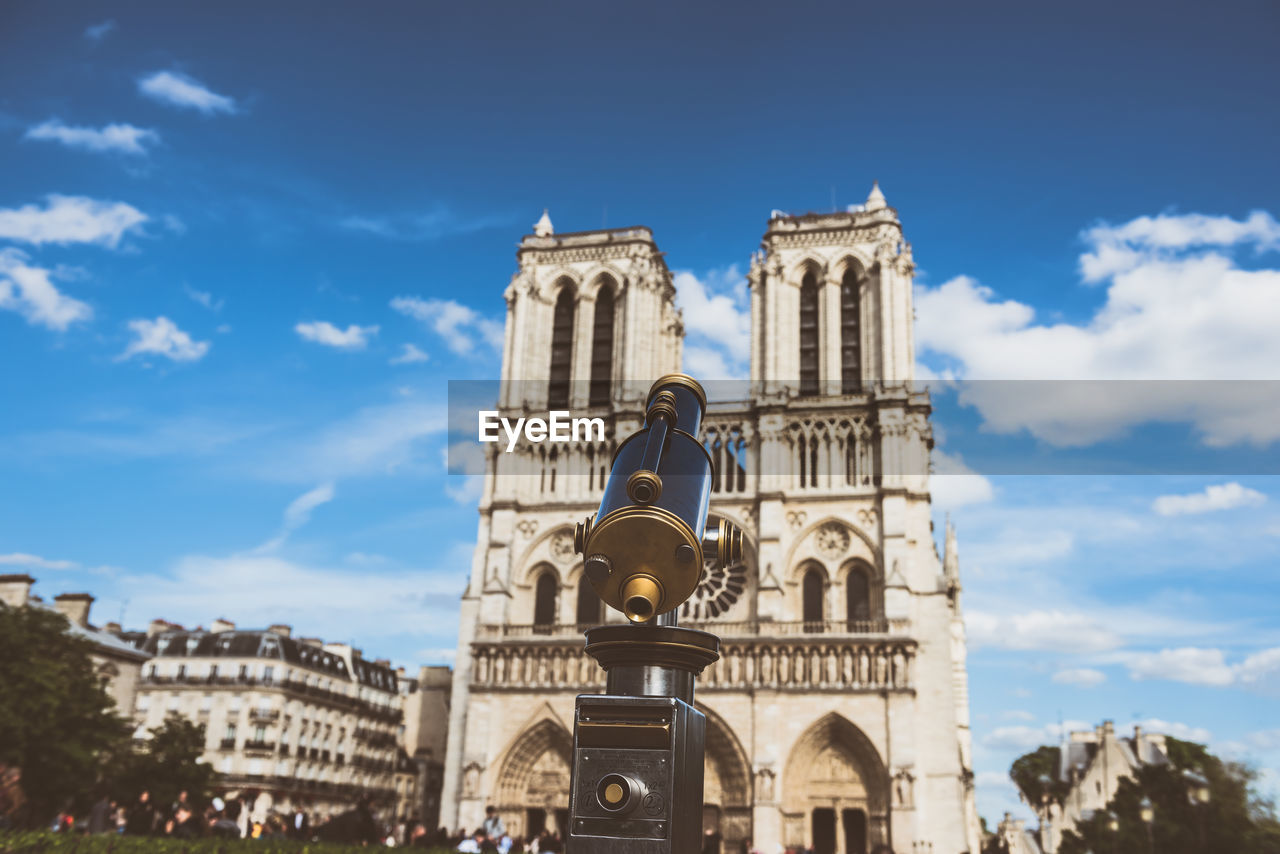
pixel 613 793
pixel 640 608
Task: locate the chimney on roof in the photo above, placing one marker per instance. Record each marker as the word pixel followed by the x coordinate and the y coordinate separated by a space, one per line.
pixel 15 589
pixel 316 642
pixel 155 627
pixel 281 629
pixel 222 625
pixel 382 662
pixel 114 628
pixel 75 607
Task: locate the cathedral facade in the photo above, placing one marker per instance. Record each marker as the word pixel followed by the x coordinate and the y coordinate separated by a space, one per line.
pixel 837 716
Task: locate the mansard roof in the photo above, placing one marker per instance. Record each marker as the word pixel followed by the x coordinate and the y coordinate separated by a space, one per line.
pixel 267 644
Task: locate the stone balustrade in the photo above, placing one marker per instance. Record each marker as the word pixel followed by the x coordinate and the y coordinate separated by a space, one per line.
pixel 822 656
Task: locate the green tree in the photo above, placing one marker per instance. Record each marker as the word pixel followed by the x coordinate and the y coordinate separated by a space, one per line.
pixel 166 763
pixel 57 722
pixel 1036 775
pixel 1232 819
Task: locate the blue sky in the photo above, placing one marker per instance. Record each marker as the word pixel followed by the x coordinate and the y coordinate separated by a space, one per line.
pixel 242 250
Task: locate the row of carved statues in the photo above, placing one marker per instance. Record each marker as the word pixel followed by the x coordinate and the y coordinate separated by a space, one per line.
pixel 785 665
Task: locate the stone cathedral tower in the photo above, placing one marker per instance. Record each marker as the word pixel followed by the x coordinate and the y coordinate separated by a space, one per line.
pixel 837 717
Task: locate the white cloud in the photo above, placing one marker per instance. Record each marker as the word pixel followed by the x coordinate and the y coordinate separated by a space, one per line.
pixel 322 332
pixel 717 318
pixel 1177 307
pixel 1023 738
pixel 375 440
pixel 162 337
pixel 353 603
pixel 21 559
pixel 467 491
pixel 204 298
pixel 1017 715
pixel 1220 497
pixel 1203 666
pixel 707 363
pixel 30 292
pixel 410 355
pixel 433 224
pixel 1118 249
pixel 71 219
pixel 124 138
pixel 1179 730
pixel 1054 630
pixel 98 32
pixel 1083 677
pixel 953 484
pixel 298 513
pixel 179 90
pixel 461 327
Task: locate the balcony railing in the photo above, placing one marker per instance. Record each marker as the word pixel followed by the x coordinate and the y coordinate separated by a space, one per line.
pixel 844 661
pixel 355 705
pixel 227 744
pixel 725 629
pixel 265 715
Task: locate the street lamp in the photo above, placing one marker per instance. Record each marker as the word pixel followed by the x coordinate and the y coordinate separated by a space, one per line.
pixel 1148 813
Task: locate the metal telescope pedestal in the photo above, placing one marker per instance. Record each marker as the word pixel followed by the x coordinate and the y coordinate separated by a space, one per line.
pixel 638 748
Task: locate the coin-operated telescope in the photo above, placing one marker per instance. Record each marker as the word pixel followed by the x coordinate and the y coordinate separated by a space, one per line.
pixel 638 748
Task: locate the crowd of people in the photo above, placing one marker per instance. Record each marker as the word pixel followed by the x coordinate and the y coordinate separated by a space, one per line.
pixel 491 837
pixel 229 819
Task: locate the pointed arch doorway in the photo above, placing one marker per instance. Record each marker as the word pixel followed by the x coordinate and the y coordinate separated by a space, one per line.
pixel 835 787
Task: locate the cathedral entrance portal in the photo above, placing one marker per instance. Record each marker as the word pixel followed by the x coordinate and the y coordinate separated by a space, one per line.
pixel 835 790
pixel 533 785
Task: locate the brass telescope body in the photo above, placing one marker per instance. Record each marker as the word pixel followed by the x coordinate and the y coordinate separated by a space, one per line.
pixel 645 547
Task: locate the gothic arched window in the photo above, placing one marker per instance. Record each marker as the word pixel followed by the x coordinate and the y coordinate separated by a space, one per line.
pixel 858 595
pixel 809 334
pixel 544 601
pixel 561 350
pixel 813 593
pixel 588 604
pixel 602 348
pixel 850 334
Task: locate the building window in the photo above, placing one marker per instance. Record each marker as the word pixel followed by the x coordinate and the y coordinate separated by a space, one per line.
pixel 561 350
pixel 809 334
pixel 268 673
pixel 588 603
pixel 544 600
pixel 206 702
pixel 144 702
pixel 244 671
pixel 602 348
pixel 173 702
pixel 858 595
pixel 850 332
pixel 813 591
pixel 182 671
pixel 230 734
